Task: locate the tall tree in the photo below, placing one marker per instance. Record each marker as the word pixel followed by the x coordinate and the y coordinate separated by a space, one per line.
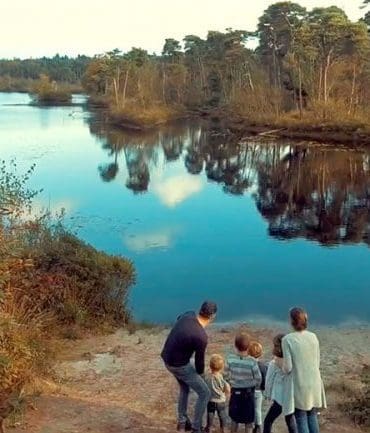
pixel 172 49
pixel 330 29
pixel 275 30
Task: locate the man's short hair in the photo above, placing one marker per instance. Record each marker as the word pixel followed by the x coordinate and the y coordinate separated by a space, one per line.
pixel 208 309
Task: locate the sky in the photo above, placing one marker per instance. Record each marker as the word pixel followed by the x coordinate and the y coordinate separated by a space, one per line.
pixel 34 28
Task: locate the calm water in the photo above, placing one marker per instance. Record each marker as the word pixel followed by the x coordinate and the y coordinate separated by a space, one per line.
pixel 256 227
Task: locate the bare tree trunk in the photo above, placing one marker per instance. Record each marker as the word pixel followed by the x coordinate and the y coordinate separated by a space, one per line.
pixel 326 71
pixel 202 77
pixel 124 89
pixel 116 84
pixel 250 81
pixel 275 68
pixel 139 88
pixel 115 91
pixel 326 83
pixel 320 85
pixel 300 91
pixel 352 89
pixel 279 74
pixel 164 83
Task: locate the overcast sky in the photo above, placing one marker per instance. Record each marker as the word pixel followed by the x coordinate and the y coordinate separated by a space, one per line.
pixel 33 28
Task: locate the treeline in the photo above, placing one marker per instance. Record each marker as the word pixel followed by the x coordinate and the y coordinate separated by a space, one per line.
pixel 57 68
pixel 311 64
pixel 18 75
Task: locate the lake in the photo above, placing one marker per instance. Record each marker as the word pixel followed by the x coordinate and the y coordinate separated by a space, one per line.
pixel 257 227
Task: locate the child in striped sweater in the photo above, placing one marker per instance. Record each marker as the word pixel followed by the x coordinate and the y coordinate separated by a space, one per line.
pixel 243 374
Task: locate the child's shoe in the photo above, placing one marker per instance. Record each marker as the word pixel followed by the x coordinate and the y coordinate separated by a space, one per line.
pixel 186 426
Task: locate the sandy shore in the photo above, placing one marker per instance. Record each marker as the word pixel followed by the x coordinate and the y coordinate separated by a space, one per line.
pixel 117 383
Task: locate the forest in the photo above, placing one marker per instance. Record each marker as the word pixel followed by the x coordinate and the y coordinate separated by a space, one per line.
pixel 17 72
pixel 308 66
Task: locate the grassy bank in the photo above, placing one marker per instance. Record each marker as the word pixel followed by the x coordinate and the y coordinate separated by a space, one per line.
pixel 352 133
pixel 52 285
pixel 335 127
pixel 136 118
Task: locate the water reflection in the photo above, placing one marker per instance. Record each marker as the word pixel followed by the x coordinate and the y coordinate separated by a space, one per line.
pixel 176 189
pixel 316 192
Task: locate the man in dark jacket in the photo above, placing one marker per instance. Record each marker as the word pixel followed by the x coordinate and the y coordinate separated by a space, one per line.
pixel 188 338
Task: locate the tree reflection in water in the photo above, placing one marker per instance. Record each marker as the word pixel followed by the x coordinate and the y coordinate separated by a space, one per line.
pixel 316 192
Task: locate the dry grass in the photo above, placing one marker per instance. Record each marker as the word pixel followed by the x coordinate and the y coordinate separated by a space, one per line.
pixel 135 116
pixel 357 404
pixel 331 116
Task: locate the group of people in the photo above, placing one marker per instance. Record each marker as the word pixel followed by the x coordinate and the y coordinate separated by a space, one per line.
pixel 235 385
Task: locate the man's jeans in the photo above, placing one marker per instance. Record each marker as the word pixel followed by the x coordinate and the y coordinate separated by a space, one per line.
pixel 188 378
pixel 307 421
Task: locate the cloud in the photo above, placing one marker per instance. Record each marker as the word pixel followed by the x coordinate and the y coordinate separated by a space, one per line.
pixel 158 239
pixel 176 189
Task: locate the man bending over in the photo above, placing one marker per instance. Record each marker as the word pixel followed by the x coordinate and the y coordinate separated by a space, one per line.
pixel 188 338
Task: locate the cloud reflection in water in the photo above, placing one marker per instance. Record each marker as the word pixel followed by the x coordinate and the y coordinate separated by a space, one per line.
pixel 176 189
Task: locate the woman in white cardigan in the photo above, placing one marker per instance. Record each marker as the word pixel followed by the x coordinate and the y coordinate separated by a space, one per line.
pixel 301 362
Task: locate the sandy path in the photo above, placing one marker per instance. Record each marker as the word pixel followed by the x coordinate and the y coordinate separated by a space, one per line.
pixel 117 383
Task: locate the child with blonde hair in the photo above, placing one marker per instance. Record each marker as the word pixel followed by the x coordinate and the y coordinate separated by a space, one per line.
pixel 220 390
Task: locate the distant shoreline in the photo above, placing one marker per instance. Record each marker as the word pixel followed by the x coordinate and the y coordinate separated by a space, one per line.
pixel 329 134
pixel 235 127
pixel 264 323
